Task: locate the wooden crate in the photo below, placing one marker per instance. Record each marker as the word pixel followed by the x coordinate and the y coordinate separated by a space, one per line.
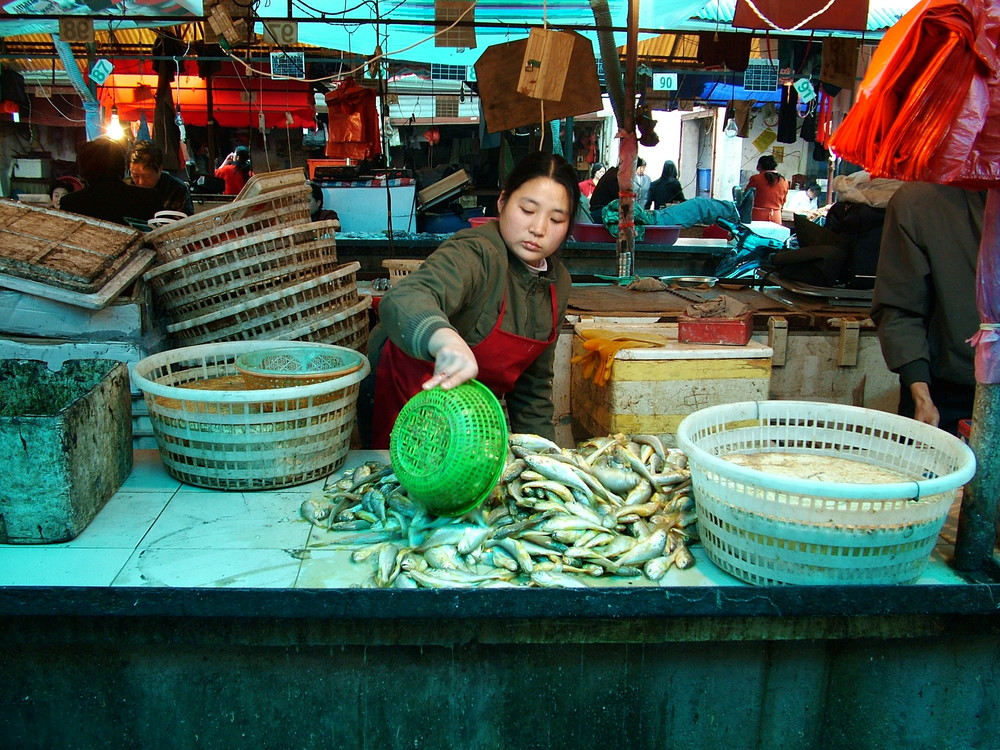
pixel 65 250
pixel 399 268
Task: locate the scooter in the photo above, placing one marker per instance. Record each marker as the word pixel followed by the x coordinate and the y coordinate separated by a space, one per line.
pixel 749 255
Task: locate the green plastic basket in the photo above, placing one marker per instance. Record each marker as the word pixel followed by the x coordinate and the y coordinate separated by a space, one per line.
pixel 448 448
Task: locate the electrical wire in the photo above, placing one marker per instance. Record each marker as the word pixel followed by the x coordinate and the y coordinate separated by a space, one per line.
pixel 248 66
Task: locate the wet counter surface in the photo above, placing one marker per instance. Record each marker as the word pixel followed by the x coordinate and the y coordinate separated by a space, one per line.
pixel 162 547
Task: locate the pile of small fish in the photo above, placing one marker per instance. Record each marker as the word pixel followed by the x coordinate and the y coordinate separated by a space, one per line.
pixel 619 506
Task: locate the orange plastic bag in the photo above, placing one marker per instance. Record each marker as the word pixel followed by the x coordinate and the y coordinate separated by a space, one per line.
pixel 929 103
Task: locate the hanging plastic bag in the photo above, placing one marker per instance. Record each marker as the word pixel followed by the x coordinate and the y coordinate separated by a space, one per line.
pixel 925 104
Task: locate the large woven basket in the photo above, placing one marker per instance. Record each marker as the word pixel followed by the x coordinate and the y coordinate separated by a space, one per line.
pixel 218 277
pixel 767 529
pixel 299 307
pixel 243 217
pixel 213 432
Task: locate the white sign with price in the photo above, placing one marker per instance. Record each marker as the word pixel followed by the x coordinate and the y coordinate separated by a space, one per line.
pixel 664 82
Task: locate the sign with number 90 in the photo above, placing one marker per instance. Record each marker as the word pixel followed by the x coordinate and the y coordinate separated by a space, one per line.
pixel 664 82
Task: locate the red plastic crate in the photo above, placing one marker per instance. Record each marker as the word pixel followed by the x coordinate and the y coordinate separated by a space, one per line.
pixel 731 331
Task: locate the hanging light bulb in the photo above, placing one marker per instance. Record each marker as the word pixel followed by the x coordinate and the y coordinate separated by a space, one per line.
pixel 731 128
pixel 114 129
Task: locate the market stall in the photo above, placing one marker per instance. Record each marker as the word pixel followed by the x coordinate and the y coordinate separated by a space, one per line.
pixel 254 577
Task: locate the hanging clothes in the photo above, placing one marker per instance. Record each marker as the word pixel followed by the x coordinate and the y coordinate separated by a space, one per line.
pixel 788 115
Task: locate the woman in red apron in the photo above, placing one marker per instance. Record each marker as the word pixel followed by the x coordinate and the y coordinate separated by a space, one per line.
pixel 487 304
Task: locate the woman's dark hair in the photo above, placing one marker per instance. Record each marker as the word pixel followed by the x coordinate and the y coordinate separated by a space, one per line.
pixel 101 160
pixel 595 168
pixel 543 164
pixel 768 164
pixel 317 193
pixel 241 156
pixel 66 185
pixel 669 171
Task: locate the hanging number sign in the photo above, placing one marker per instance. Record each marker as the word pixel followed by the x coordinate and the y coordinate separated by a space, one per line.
pixel 76 29
pixel 805 89
pixel 664 82
pixel 100 72
pixel 281 33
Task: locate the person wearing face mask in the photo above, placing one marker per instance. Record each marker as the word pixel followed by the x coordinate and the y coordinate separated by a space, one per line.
pixel 487 304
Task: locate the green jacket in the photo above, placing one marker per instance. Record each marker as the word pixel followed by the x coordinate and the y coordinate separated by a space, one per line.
pixel 461 286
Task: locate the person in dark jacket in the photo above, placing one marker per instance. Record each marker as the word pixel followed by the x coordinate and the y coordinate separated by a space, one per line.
pixel 145 166
pixel 102 163
pixel 487 304
pixel 316 210
pixel 665 190
pixel 605 192
pixel 924 303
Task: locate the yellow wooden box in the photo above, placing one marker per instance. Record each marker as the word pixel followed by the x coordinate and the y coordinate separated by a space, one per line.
pixel 651 390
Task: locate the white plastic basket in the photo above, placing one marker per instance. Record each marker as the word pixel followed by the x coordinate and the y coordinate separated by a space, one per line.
pixel 213 432
pixel 766 529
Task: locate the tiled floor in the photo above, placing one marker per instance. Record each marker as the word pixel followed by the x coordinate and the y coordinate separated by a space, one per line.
pixel 157 531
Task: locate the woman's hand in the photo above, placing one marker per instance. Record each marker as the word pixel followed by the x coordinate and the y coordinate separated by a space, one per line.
pixel 454 362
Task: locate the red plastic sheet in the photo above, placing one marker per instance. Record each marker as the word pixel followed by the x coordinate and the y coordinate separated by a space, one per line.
pixel 353 122
pixel 237 100
pixel 929 106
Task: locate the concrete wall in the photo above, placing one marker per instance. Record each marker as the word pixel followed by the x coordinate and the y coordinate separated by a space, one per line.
pixel 492 685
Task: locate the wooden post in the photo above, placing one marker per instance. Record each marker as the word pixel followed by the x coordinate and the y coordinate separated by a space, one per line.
pixel 629 150
pixel 977 520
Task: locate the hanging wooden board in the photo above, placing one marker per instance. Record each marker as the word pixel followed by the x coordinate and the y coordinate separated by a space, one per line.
pixel 546 64
pixel 505 108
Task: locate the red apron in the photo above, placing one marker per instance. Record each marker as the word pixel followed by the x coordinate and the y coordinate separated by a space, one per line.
pixel 501 356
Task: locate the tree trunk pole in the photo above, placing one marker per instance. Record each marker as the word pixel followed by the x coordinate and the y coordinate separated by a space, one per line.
pixel 626 166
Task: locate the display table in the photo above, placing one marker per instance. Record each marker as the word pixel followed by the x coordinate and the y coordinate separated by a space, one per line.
pixel 205 617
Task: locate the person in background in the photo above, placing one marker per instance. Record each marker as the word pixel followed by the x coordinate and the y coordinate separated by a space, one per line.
pixel 597 171
pixel 804 201
pixel 605 192
pixel 145 166
pixel 487 304
pixel 316 210
pixel 771 190
pixel 235 170
pixel 641 183
pixel 61 187
pixel 665 190
pixel 102 164
pixel 924 303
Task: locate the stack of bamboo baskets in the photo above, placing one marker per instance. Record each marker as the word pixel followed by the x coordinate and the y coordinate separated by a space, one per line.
pixel 257 268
